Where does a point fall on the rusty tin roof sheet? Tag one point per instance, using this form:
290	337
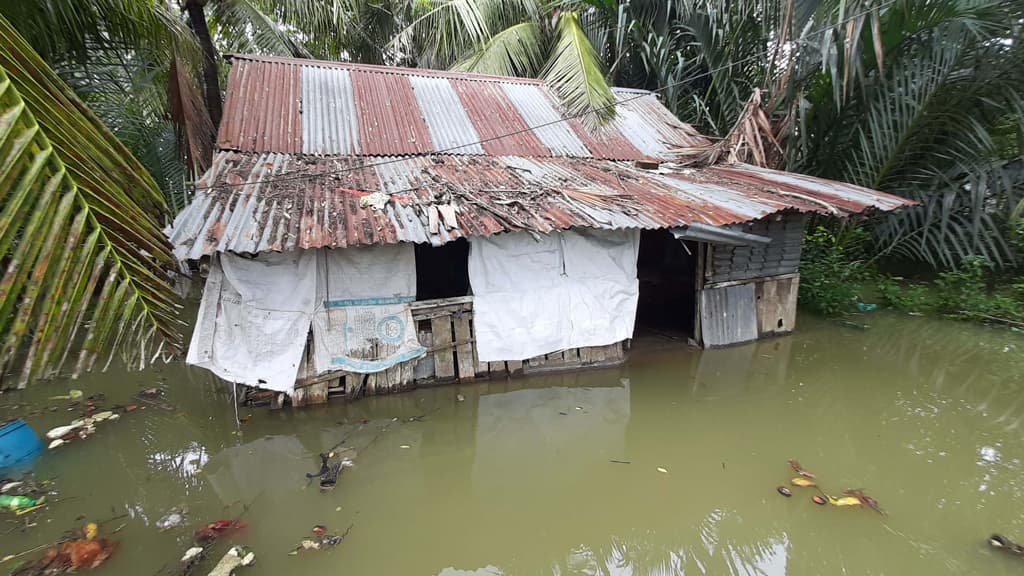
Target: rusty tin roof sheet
276	202
329	108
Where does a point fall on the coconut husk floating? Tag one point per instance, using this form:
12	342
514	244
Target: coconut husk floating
808	479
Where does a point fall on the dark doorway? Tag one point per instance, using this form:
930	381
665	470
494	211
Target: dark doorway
667	270
442	271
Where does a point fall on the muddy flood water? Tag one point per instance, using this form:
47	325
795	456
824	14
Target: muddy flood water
520	477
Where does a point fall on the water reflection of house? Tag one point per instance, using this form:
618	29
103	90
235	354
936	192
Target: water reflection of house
368	227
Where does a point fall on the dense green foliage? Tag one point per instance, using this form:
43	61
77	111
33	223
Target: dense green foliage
833	270
836	276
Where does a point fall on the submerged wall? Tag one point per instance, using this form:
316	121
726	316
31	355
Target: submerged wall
750	292
445	328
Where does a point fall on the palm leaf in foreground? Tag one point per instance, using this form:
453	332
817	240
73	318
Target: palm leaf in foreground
80	238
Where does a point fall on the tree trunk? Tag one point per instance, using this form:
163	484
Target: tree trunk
211	77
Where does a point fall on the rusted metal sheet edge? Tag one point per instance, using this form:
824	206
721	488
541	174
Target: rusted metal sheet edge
751	280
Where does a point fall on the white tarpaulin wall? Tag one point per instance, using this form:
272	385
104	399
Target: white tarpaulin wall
256	314
254	318
565	290
363	322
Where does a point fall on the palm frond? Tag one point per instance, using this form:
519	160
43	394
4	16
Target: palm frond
515	51
130	97
192	123
451	29
252	30
575	72
62	30
79	230
752	140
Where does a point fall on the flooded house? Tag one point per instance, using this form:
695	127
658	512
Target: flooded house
367	228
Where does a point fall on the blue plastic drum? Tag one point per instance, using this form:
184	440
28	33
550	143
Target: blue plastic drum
19	447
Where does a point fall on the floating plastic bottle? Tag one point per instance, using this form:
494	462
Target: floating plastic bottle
16	502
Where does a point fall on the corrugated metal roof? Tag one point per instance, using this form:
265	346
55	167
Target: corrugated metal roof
330	124
277	202
330	108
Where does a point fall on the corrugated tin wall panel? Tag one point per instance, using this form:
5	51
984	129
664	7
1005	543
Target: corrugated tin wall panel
450	126
780	256
539	113
330	124
728	315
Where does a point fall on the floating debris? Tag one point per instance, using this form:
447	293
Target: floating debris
1003	543
60	431
82	553
662	470
17	503
865	499
216	529
802	482
10	486
71	395
784	491
800	469
321	540
844	501
172	519
235	557
192	556
819	500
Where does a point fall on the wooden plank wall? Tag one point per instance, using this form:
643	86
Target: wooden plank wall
575	358
776	304
445	328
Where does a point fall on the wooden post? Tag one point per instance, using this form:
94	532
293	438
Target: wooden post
585	355
406	381
444	357
482	370
464	347
393	377
423	368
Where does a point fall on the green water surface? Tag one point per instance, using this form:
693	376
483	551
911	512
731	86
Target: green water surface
924	415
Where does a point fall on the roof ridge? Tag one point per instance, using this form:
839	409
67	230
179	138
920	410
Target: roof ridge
384	69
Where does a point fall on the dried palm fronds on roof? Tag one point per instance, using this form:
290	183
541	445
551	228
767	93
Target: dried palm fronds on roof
752	140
